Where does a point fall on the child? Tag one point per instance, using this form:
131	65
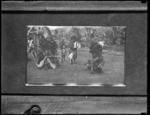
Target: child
63	53
71	57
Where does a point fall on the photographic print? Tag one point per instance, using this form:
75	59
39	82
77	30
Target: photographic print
75	54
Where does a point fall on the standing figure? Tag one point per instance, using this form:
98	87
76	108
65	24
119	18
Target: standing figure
73	51
63	50
63	54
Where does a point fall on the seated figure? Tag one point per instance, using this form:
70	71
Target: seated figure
46	55
97	62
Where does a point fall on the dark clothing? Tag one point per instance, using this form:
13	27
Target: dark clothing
47	45
63	52
48	48
96	51
40	57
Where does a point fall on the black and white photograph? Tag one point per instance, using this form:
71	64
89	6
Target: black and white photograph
74	57
75	54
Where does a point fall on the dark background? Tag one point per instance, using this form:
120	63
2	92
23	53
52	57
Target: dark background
14	50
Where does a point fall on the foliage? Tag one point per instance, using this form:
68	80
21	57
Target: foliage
114	35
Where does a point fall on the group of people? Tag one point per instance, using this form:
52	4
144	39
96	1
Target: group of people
44	52
69	51
43	49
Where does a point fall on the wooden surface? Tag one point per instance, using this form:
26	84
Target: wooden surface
74	6
14	55
14	51
70	104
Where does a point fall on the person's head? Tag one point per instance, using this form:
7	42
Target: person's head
73	38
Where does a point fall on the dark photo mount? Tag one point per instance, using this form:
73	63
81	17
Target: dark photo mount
16	17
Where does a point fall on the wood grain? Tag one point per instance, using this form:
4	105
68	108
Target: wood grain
73	6
14	51
71	104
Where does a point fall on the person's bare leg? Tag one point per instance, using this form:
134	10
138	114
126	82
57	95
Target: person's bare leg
51	64
41	63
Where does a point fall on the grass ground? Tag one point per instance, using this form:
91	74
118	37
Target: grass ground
76	73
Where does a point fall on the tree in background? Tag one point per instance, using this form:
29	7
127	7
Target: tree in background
88	34
75	34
